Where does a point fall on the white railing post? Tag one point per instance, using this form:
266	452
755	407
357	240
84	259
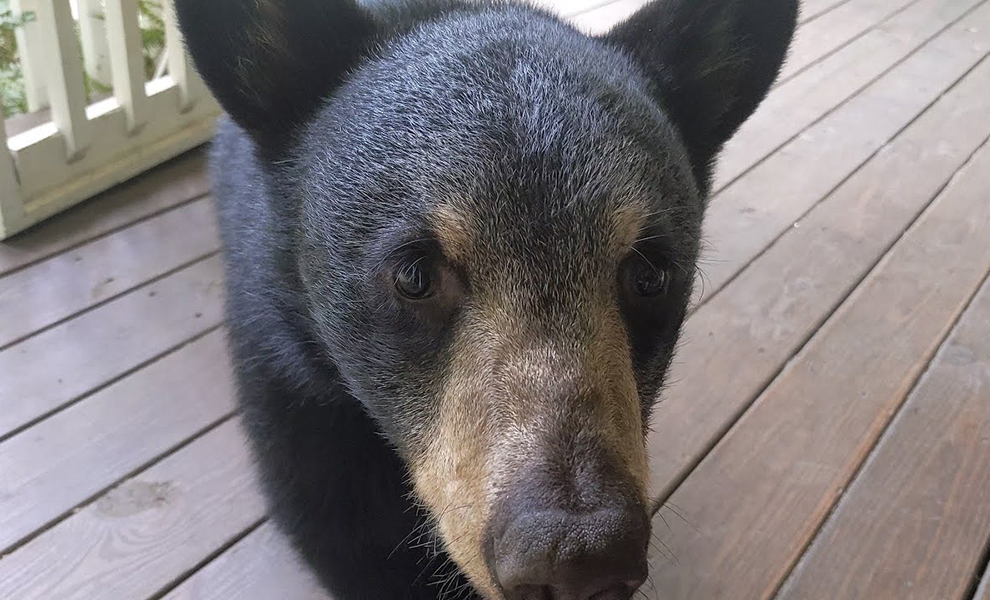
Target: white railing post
64	74
93	35
127	60
11	207
88	144
31	55
179	65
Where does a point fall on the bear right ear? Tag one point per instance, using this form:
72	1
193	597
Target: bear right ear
711	63
271	62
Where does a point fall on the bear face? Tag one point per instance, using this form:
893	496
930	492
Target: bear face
511	301
494	223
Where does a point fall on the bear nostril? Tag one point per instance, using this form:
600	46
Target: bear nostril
529	592
552	554
532	592
619	592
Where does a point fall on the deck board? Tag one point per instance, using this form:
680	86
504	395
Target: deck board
178	181
824	86
815	423
259	567
812	9
983	591
58	464
137	539
61	286
836	28
748	215
599	20
56	367
737	342
916	520
881	104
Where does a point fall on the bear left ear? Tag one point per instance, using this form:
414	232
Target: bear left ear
712	63
271	63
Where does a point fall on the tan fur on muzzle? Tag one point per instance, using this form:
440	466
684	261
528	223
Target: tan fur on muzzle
506	398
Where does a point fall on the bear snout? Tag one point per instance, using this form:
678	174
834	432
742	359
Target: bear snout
544	546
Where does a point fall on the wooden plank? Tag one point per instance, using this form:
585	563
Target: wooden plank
54	368
736	343
570	8
182	179
748	215
757	499
812	9
65	459
916	520
139	537
603	18
835	29
804	99
983	592
598	16
261	566
127	60
63	71
64	285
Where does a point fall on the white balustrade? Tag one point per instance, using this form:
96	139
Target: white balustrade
84	144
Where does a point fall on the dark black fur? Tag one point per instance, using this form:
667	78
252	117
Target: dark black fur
348	124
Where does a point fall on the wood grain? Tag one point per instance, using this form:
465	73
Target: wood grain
804	99
600	17
915	522
736	343
757	499
57	464
139	537
983	592
570	8
55	367
603	18
812	9
261	566
66	284
748	215
175	182
835	29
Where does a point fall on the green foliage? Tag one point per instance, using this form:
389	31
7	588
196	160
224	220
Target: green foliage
12	90
152	34
12	93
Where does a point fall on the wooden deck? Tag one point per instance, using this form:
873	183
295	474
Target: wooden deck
828	434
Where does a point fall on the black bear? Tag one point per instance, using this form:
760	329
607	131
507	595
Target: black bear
460	240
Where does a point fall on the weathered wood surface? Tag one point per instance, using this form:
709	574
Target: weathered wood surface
62	461
56	367
172	184
915	522
66	284
140	536
738	341
760	495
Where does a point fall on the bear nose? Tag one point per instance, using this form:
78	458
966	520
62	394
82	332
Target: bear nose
553	554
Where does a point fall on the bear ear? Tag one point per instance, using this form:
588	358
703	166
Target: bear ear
711	62
271	62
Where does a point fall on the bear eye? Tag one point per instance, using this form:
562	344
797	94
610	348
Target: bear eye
414	280
646	279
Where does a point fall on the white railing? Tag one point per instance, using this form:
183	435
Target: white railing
84	146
